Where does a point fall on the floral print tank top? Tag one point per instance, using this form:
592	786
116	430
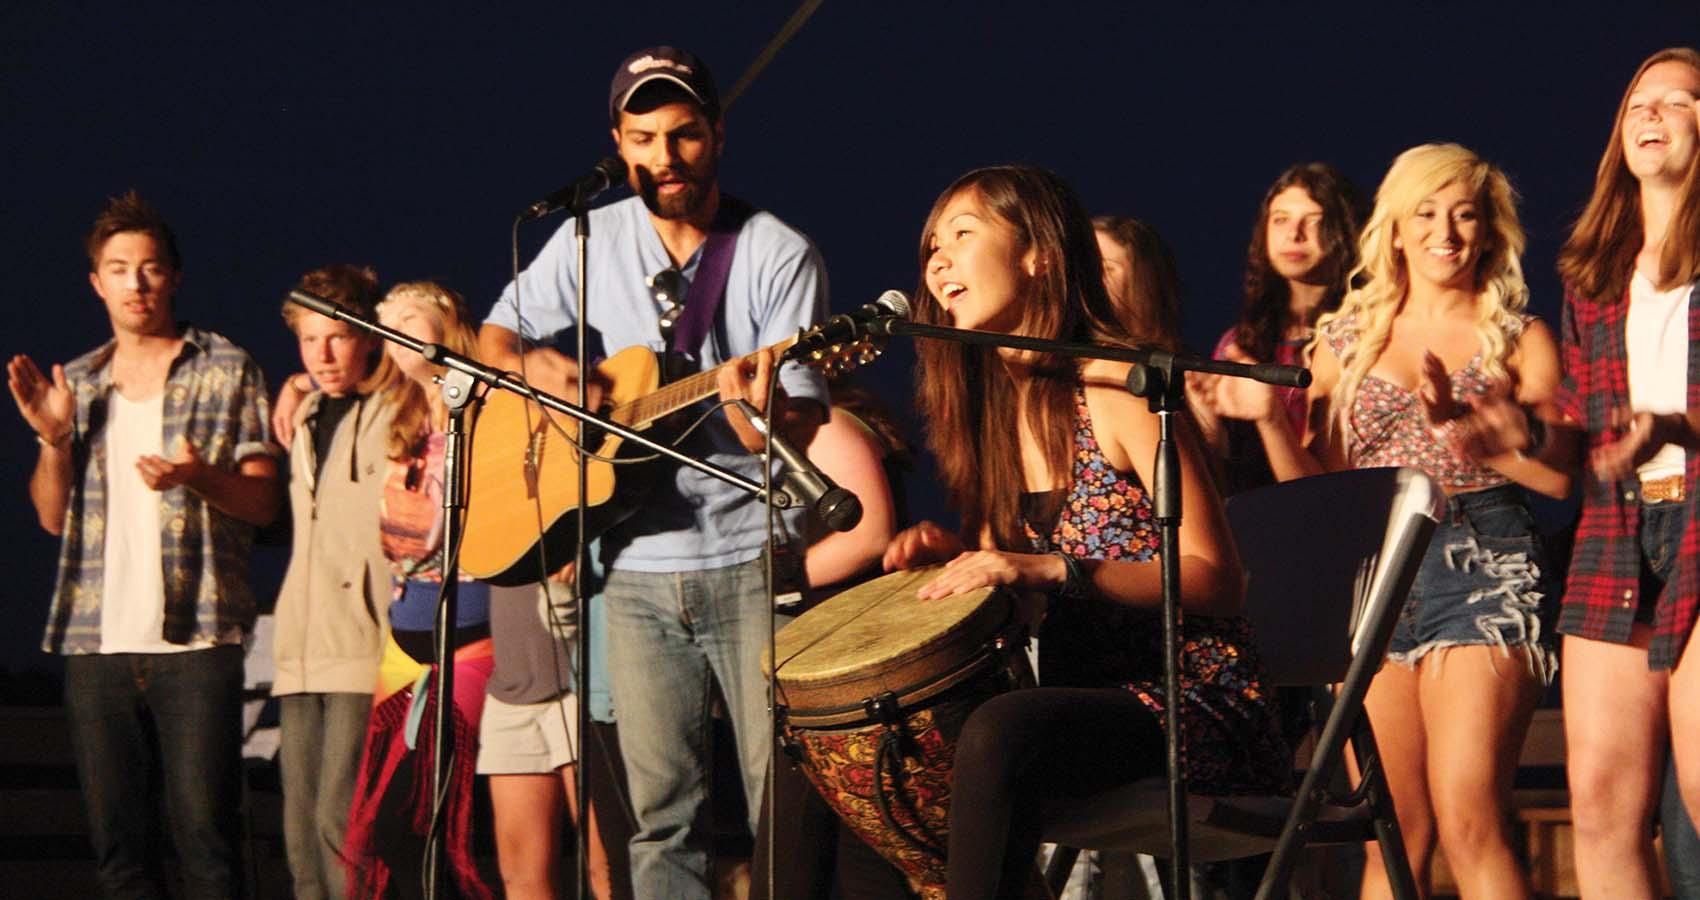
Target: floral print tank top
1388	425
1232	740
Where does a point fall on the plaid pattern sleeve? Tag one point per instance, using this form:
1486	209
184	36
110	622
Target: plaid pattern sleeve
1603	590
215	398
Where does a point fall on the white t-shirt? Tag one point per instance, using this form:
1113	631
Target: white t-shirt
132	601
1656	337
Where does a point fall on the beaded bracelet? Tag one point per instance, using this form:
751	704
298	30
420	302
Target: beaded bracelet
1074	576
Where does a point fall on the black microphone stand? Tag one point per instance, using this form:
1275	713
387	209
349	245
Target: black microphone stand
458	386
1158	376
581	559
457	396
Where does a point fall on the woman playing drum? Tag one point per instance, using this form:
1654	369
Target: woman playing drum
1047	461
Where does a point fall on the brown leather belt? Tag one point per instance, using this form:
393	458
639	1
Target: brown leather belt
1670	489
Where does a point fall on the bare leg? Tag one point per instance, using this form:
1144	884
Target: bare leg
1684	705
528	826
1396	716
1476	704
1614	730
601	878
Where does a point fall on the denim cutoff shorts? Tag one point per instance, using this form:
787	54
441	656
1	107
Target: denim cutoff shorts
1485	580
1662	525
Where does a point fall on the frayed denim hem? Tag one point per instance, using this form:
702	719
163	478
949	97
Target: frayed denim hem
1507	613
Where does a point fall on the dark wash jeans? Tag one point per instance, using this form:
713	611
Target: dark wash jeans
180	714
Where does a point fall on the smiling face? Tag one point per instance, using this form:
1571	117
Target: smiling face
333	353
1442	239
1658	133
673	155
1294	234
976	268
135	279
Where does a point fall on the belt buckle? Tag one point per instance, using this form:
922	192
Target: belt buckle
1670	489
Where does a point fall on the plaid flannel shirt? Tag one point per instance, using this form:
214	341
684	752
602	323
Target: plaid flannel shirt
1603	591
215	397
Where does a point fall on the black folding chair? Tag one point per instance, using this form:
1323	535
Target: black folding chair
1328	561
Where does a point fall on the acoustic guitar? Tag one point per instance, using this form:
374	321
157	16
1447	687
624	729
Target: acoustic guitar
514	472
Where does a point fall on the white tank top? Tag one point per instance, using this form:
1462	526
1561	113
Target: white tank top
132	600
1656	338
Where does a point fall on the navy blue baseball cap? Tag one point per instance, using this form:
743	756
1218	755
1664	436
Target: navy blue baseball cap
670	64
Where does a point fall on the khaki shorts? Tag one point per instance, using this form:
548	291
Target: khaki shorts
527	739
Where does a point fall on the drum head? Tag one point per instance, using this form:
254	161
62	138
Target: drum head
877	637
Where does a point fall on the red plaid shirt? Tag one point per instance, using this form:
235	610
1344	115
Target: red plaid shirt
1604	587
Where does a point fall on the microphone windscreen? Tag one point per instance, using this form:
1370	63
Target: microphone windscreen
840	509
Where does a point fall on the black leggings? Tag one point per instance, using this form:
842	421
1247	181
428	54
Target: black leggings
1021	748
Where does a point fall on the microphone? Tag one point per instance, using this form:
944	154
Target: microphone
868	320
835	506
317	304
607	172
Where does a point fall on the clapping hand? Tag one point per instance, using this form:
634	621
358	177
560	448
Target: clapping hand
47	404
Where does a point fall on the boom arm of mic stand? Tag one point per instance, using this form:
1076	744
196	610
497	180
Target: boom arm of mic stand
1286	376
496	378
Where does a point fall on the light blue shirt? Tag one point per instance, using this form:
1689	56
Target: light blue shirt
776	286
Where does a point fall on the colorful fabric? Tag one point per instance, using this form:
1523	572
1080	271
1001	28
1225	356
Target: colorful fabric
410	526
1388	425
914	780
392	797
1231	737
215	398
1604	585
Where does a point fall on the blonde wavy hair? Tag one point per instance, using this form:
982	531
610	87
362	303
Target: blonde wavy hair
417	409
1381	281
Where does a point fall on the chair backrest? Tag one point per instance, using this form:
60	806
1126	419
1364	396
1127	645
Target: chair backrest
1328	561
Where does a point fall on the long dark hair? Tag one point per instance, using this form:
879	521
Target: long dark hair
1598	259
966	395
1263	317
1150	295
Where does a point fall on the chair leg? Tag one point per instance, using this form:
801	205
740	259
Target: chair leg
1058	869
1387	835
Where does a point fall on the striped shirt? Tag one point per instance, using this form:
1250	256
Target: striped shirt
215	397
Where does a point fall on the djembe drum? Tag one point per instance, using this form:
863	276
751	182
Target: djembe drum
873	688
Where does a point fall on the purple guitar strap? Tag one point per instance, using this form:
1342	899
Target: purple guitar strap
708	288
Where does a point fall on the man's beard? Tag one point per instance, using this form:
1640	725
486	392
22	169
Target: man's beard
685	203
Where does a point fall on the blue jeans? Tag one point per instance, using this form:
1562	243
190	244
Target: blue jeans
180	713
671	638
322	736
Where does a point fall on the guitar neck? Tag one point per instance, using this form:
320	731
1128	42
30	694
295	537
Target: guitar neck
674	396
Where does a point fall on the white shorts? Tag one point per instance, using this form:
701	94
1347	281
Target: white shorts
527	739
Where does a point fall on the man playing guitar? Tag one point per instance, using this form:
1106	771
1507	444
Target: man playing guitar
686	596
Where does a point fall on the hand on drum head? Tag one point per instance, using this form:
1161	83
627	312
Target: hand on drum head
920	545
995	568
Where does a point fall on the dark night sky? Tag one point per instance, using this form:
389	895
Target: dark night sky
407	138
